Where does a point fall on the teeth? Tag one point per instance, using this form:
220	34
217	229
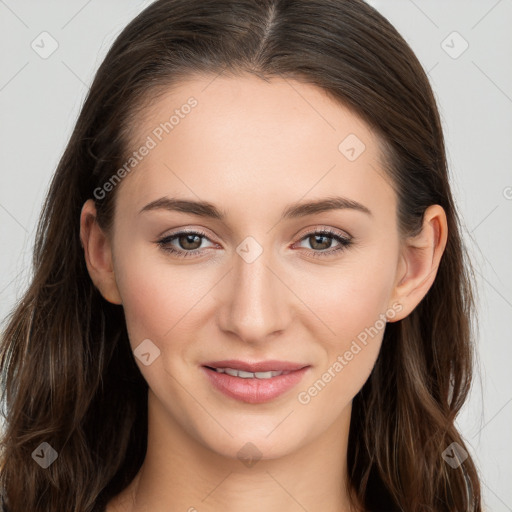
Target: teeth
266	375
250	375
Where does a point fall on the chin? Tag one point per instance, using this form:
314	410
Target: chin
251	447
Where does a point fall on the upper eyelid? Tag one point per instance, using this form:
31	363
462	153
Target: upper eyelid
175	234
327	230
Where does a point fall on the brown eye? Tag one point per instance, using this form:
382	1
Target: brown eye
183	244
189	241
321	242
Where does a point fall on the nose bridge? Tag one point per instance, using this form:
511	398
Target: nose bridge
256	305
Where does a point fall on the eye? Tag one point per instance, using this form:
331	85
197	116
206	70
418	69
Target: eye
189	243
321	242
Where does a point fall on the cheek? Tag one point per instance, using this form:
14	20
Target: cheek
349	355
353	306
155	299
353	296
160	304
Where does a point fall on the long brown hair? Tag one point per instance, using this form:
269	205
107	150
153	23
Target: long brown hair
68	373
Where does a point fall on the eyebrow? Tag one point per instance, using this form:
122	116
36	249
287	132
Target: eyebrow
295	210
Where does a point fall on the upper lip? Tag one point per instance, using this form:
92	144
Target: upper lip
257	366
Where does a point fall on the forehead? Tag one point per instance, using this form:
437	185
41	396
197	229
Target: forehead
236	139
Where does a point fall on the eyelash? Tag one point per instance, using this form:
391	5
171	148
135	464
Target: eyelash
344	243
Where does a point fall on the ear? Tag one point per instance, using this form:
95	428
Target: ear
98	254
419	261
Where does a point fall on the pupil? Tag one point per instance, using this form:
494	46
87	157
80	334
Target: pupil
189	240
316	239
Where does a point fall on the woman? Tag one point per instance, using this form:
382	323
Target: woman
250	289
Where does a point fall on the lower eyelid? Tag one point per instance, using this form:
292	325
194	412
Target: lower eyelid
341	239
165	243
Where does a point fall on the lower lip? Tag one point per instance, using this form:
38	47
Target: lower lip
254	391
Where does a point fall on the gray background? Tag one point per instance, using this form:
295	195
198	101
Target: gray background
40	99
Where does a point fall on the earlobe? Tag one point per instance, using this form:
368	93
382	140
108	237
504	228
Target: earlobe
98	254
419	261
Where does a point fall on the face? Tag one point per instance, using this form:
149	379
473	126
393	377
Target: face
254	277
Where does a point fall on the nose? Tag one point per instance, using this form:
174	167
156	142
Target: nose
256	302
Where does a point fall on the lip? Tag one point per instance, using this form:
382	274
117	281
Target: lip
255	391
257	366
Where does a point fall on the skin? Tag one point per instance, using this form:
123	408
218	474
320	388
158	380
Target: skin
252	148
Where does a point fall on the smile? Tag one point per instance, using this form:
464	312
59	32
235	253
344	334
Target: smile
250	375
254	387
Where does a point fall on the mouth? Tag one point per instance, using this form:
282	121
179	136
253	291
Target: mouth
256	382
